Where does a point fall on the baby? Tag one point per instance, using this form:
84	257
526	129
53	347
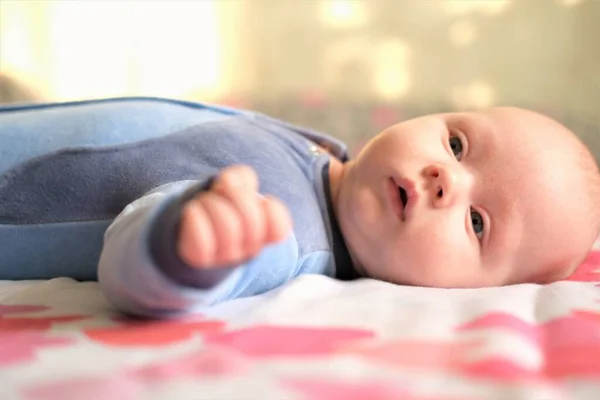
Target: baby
183	205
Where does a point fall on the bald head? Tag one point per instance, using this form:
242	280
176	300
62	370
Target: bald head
557	190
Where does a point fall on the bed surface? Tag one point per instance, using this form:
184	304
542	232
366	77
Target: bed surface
313	339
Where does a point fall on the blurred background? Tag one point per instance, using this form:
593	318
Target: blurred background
346	67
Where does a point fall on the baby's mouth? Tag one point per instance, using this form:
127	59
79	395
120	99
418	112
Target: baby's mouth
398	197
403	196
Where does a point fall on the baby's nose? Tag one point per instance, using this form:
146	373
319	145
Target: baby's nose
442	184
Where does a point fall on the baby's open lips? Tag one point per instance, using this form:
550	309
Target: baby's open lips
402	196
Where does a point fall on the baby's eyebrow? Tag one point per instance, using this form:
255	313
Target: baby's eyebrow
481	124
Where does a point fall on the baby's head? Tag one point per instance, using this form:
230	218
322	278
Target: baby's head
493	198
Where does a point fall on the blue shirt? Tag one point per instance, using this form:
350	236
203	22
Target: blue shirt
99	185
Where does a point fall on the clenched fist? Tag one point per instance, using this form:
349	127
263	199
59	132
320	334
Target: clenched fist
231	222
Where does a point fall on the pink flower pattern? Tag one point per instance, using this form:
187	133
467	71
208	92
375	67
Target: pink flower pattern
282	341
130	383
569	347
21	347
589	270
20	338
152	333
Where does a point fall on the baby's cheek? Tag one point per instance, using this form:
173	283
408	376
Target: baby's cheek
436	258
433	238
366	209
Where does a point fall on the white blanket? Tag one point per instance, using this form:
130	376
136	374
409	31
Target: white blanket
313	339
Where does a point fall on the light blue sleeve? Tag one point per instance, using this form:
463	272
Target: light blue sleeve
131	280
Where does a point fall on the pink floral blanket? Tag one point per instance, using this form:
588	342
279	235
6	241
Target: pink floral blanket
314	339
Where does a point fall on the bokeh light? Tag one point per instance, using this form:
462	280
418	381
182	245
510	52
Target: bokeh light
344	13
462	33
476	95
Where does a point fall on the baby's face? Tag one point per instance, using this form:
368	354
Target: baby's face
467	200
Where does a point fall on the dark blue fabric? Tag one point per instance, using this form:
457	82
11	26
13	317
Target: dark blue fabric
51	250
86	184
344	269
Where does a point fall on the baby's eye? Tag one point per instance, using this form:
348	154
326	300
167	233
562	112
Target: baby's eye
477	222
456	146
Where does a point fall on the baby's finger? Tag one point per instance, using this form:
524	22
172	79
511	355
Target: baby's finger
247	203
240	177
227	228
196	242
279	221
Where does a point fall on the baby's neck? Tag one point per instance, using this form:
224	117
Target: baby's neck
337	170
336	174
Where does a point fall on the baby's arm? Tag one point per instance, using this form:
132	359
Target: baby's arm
175	250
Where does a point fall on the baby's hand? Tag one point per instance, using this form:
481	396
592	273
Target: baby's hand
230	223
